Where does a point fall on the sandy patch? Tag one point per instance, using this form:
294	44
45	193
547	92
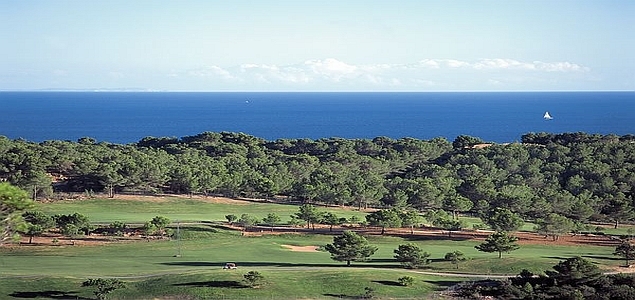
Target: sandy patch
524	238
165	198
223	200
619	269
301	248
51	239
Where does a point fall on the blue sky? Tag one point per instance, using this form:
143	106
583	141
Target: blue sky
523	45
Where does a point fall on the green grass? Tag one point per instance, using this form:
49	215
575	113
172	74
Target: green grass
206	248
152	270
622	230
43	288
287	284
470	221
106	210
289	275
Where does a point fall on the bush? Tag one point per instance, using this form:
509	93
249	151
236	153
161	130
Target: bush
369	293
104	286
406	281
479	226
231	219
117	228
455	257
160	222
411	256
148	229
253	278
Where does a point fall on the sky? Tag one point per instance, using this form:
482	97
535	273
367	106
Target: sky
306	45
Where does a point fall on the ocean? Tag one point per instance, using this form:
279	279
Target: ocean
127	117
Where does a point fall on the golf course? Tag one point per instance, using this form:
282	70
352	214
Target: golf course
188	263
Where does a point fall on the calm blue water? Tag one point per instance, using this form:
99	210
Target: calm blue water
128	117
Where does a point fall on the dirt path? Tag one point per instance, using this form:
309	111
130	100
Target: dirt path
525	238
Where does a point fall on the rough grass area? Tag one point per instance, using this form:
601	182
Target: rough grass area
208	248
153	270
141	209
278	284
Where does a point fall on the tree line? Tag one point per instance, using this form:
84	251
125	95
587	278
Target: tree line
577	176
572	278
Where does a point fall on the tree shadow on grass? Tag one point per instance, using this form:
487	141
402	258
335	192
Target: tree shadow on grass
607	243
440	237
556	257
241	265
383	260
442	283
613	258
218	284
47	295
387	282
197	229
342	296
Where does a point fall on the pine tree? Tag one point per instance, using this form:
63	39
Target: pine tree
411	256
499	242
350	246
625	250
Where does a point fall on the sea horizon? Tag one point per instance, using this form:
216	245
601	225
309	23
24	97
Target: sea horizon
127	117
144	90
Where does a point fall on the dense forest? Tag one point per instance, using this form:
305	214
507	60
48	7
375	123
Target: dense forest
578	176
573	278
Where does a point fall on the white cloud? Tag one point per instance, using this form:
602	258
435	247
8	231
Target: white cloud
333	69
510	64
334	74
429	63
330	66
272	73
560	67
456	63
212	71
498	64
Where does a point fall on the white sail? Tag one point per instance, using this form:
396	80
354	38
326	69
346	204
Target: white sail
547	116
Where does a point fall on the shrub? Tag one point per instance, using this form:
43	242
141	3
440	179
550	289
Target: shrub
117	228
406	281
479	226
231	219
253	278
411	256
369	293
104	286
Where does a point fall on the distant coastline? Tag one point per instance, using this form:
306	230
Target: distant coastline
127	117
147	90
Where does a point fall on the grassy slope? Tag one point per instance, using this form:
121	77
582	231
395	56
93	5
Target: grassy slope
229	285
210	250
182	209
205	249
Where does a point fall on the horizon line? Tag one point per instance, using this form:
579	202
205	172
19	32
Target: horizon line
133	90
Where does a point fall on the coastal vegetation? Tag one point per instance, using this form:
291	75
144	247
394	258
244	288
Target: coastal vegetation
157	214
581	177
572	278
290	260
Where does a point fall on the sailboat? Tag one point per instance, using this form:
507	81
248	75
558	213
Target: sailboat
547	116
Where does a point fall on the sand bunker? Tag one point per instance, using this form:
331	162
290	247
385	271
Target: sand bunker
164	198
301	248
